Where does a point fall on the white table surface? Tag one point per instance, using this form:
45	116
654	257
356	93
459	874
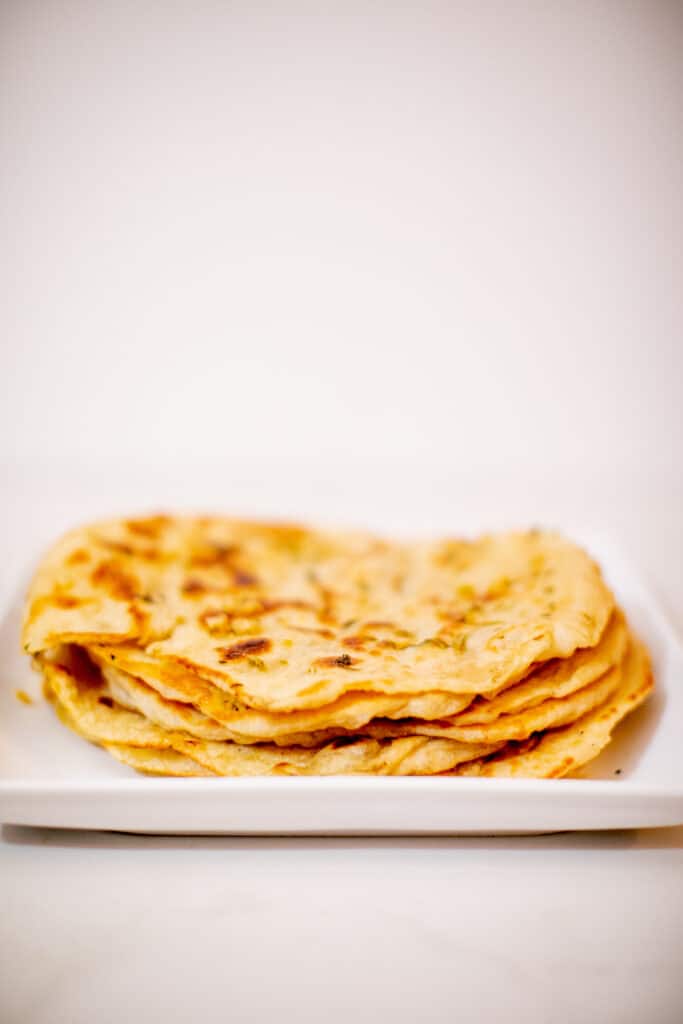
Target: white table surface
571	927
557	929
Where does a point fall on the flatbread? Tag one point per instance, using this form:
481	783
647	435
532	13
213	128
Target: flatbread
131	694
518	726
168	704
205	646
84	705
284	618
350	711
541	695
413	755
554	679
561	751
156	762
128	692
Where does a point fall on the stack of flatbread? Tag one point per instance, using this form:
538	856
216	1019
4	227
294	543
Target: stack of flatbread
208	646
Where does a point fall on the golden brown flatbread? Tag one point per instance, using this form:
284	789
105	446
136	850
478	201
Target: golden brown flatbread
352	712
558	752
286	618
555	679
156	762
208	646
84	705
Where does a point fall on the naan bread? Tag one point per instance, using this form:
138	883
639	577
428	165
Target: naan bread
84	705
178	685
284	618
553	679
212	717
558	752
206	646
156	762
518	726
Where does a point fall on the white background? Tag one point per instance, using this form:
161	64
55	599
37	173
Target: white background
444	230
416	266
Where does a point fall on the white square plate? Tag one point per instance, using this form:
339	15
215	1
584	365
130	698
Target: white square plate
50	777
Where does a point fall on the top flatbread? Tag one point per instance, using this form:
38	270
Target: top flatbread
283	618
